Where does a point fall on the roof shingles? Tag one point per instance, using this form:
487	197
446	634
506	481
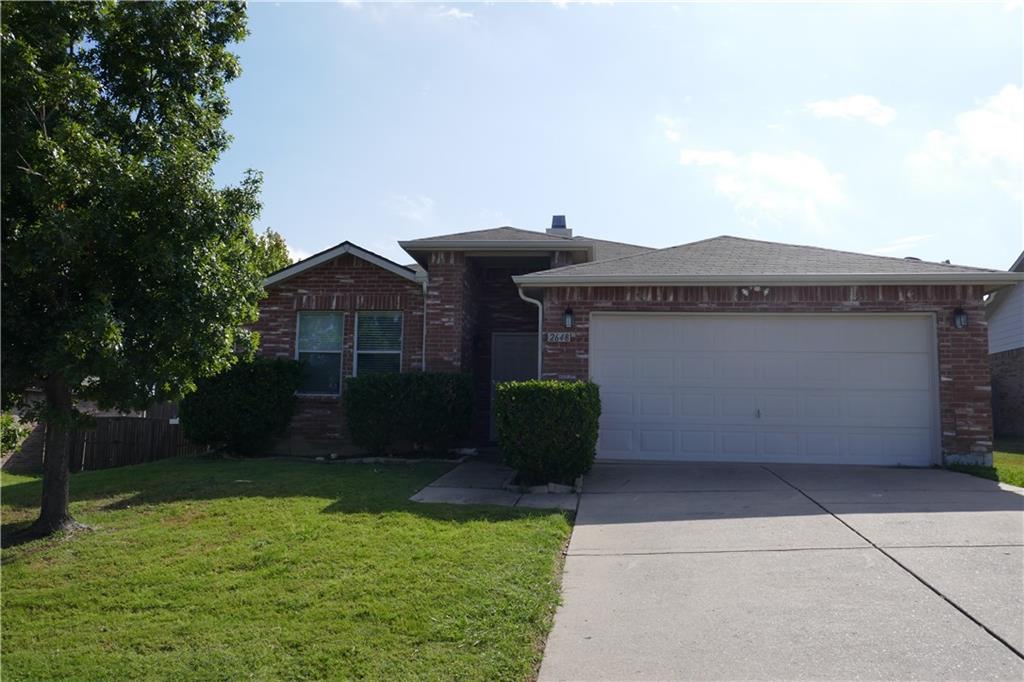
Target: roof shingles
603	248
729	256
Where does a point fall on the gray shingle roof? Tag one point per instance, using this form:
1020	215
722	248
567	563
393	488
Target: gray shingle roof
494	234
603	248
727	256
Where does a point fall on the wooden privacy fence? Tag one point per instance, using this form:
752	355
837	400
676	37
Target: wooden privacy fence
120	441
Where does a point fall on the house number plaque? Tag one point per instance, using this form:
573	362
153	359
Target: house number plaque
559	337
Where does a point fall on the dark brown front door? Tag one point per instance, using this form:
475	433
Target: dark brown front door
513	358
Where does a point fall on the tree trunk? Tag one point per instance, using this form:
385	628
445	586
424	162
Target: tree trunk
53	512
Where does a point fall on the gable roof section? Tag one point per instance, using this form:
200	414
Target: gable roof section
506	233
340	250
734	260
517	239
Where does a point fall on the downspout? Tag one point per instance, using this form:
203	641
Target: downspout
540	329
423	348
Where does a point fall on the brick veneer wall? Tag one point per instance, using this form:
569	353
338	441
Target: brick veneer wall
445	310
964	388
347	284
1008	392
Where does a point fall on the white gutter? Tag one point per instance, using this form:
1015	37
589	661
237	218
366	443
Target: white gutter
987	278
540	329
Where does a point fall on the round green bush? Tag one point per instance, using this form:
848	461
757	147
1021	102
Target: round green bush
242	408
548	429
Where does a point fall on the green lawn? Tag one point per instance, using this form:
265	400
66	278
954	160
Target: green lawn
1008	464
215	569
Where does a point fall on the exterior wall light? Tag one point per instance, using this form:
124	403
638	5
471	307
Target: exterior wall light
567	318
959	318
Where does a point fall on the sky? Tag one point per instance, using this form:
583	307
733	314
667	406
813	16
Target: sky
879	128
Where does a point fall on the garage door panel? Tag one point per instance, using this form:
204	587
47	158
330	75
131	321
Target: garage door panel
780	370
617	442
615	335
837	391
779	406
656	405
695	368
698	442
822	446
609	368
738	443
616	403
780	443
821	369
658	334
737	404
822	407
696	339
738	370
655	369
695	405
656	441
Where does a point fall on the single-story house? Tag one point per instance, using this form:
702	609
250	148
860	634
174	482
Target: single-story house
1005	313
723	349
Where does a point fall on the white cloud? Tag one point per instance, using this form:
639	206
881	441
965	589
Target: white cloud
297	254
454	13
902	244
417	209
670	127
985	143
790	187
562	4
862	107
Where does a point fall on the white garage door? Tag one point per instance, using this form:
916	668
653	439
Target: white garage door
839	389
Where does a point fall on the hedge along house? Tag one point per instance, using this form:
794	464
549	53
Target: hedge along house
724	349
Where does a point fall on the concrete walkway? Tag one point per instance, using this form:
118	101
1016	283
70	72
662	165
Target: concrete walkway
485	482
730	571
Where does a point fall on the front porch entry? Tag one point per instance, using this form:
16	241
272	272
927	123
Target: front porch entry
513	358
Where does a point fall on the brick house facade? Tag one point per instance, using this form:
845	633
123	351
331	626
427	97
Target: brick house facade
346	284
467	289
964	389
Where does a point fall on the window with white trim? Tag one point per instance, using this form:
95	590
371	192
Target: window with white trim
318	348
378	343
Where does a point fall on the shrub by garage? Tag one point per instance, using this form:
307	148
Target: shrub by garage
244	407
424	412
548	429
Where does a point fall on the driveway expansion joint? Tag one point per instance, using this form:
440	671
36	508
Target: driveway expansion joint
896	561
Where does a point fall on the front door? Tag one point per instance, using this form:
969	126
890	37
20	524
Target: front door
513	358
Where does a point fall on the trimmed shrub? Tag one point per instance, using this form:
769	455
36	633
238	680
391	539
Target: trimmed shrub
429	411
548	429
242	408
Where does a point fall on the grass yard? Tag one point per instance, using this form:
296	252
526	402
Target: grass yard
265	569
1007	461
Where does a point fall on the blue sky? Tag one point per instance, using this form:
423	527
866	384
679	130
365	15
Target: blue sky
892	129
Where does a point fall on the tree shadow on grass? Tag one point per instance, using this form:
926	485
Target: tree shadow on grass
345	489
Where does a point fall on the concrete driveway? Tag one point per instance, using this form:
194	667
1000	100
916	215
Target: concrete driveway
743	571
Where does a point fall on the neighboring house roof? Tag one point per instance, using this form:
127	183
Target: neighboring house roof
999	297
340	250
1018	265
734	260
516	239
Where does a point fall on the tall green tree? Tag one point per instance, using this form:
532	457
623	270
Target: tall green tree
126	273
274	252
